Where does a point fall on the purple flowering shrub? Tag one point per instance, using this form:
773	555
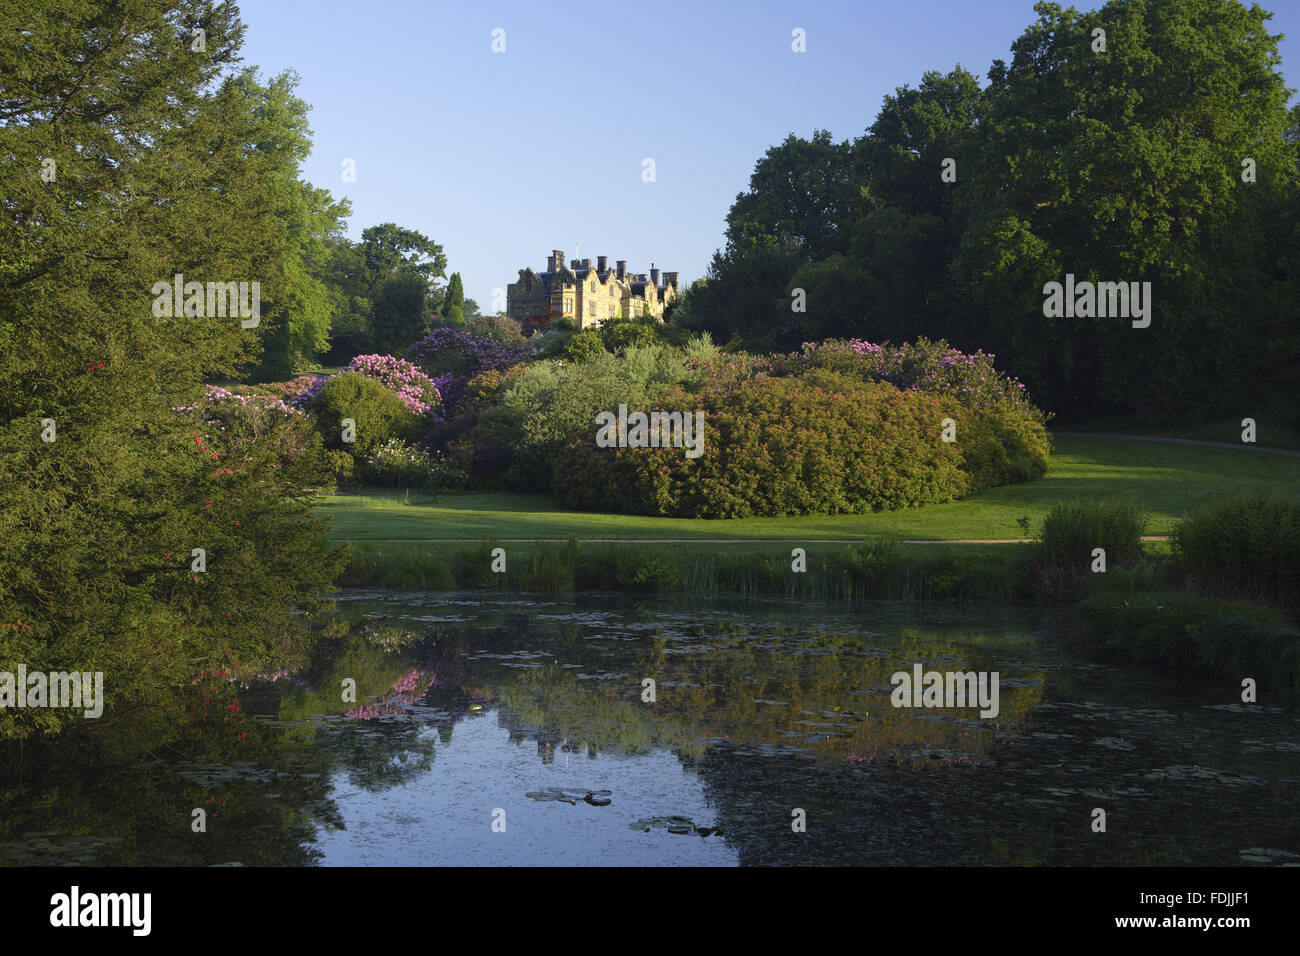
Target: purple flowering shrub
925	365
453	357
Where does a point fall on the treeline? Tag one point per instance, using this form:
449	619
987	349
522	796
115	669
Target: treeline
1162	151
384	295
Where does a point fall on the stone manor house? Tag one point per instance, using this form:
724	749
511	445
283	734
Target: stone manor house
588	295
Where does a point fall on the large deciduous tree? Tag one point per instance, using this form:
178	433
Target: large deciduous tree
1124	166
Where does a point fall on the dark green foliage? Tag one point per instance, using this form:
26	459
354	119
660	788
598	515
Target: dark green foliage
380	289
1228	639
584	346
388	248
453	305
877	571
1115	166
397	317
618	334
1247	544
97	527
1072	530
378	412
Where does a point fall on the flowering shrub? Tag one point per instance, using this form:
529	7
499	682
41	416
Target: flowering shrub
378	412
290	389
925	365
822	443
416	390
455	357
241	418
400	464
217	401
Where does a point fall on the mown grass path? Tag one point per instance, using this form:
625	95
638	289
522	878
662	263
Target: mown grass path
1167	478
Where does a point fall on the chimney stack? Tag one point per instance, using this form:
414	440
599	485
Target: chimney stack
654	276
558	256
670	279
621	268
550	263
600	263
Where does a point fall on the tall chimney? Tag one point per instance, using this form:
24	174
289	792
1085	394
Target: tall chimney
620	268
558	255
654	276
670	278
550	262
600	263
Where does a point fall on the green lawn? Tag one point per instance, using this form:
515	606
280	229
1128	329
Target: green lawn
1168	480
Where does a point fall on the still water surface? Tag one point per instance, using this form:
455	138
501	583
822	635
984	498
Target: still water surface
503	730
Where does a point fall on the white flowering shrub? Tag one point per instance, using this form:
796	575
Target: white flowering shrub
397	463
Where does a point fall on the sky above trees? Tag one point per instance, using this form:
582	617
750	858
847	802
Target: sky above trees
501	157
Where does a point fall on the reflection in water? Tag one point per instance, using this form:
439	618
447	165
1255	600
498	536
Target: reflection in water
495	730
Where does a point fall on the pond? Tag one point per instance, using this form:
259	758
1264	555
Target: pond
498	729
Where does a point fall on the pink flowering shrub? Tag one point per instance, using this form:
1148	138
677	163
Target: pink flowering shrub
241	418
216	400
417	391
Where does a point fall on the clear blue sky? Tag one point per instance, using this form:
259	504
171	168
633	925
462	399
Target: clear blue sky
501	157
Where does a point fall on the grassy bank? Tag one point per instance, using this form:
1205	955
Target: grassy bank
880	570
1210	601
1168	481
1225	601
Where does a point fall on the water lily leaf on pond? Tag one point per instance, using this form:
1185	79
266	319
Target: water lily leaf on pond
572	795
674	824
1114	743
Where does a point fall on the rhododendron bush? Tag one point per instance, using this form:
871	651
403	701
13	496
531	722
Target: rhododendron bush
454	357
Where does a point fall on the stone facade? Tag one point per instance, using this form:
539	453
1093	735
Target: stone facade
588	295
